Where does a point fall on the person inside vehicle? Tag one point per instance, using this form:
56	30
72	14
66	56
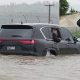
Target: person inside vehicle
55	35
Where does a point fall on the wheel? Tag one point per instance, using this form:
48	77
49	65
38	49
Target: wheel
53	52
46	53
49	53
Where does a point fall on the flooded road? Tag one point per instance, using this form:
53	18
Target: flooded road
62	67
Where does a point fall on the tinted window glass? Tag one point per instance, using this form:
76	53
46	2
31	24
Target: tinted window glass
45	31
19	33
65	34
48	32
37	34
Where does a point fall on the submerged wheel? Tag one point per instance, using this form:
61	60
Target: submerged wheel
46	53
49	53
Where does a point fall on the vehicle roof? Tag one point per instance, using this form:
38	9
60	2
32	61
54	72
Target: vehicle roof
35	24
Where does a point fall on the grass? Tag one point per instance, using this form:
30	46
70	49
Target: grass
76	34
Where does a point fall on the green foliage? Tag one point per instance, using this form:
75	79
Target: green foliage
76	34
63	7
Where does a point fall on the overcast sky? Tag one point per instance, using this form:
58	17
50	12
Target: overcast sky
74	4
4	2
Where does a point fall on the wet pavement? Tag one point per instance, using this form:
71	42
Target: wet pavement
62	67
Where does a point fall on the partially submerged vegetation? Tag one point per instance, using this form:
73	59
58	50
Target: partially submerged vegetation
76	33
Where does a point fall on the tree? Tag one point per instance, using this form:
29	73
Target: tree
64	5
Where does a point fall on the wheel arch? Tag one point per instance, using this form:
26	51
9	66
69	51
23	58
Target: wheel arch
52	51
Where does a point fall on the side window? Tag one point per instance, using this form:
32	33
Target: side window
48	32
45	31
56	32
65	34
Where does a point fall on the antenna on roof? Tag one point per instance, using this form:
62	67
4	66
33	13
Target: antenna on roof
21	22
11	20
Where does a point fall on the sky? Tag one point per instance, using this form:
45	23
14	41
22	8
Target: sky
75	4
5	2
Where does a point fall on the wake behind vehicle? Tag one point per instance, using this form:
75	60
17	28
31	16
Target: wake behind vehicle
37	39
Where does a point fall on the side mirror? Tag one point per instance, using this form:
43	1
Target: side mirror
78	22
75	39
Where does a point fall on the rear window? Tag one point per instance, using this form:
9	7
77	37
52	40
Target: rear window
16	27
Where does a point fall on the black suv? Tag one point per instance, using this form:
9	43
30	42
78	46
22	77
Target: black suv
37	39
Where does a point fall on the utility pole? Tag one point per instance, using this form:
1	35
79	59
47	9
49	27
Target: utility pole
49	16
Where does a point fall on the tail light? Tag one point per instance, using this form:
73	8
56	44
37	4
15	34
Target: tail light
20	41
27	41
1	40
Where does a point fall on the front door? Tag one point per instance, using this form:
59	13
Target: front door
72	48
67	36
61	46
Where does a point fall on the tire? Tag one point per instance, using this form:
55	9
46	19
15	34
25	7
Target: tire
53	52
46	53
49	53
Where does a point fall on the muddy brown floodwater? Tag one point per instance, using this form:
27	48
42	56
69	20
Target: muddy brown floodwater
62	67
